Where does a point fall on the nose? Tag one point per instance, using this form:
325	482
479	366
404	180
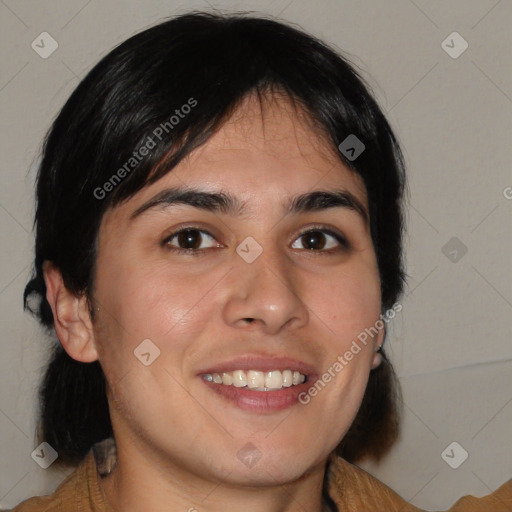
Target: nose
265	295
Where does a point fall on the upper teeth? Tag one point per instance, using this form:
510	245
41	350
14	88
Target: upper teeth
259	381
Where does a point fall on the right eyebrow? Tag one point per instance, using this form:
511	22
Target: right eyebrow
226	203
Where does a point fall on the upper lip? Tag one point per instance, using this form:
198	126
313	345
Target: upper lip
262	363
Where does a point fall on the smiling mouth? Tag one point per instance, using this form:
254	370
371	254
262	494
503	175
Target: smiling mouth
256	380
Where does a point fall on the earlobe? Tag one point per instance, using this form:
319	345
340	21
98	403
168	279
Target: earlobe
377	347
71	317
376	361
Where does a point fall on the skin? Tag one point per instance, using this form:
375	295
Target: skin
177	441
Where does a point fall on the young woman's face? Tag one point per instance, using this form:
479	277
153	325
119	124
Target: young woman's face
309	295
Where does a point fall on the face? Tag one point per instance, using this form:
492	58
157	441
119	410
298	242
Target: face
254	292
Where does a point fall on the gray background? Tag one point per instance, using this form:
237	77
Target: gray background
451	344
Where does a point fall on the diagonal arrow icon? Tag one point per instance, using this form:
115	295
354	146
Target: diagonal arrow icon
454	45
44	455
454	249
44	45
249	249
146	352
351	147
454	455
249	455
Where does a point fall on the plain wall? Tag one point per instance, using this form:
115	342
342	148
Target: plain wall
451	344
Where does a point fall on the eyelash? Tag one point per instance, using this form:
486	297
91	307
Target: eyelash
344	245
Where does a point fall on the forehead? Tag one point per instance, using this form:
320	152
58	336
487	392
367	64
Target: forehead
267	150
272	124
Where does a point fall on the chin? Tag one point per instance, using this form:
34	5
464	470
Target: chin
264	475
270	465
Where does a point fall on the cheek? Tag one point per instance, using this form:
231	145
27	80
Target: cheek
139	307
349	302
144	298
352	305
153	302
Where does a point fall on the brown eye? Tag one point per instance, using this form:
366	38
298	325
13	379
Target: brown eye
188	241
321	240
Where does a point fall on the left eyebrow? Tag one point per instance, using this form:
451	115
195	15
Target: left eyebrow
226	203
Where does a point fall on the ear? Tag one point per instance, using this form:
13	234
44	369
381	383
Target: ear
377	342
70	316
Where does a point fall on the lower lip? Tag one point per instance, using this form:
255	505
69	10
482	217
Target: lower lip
260	401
